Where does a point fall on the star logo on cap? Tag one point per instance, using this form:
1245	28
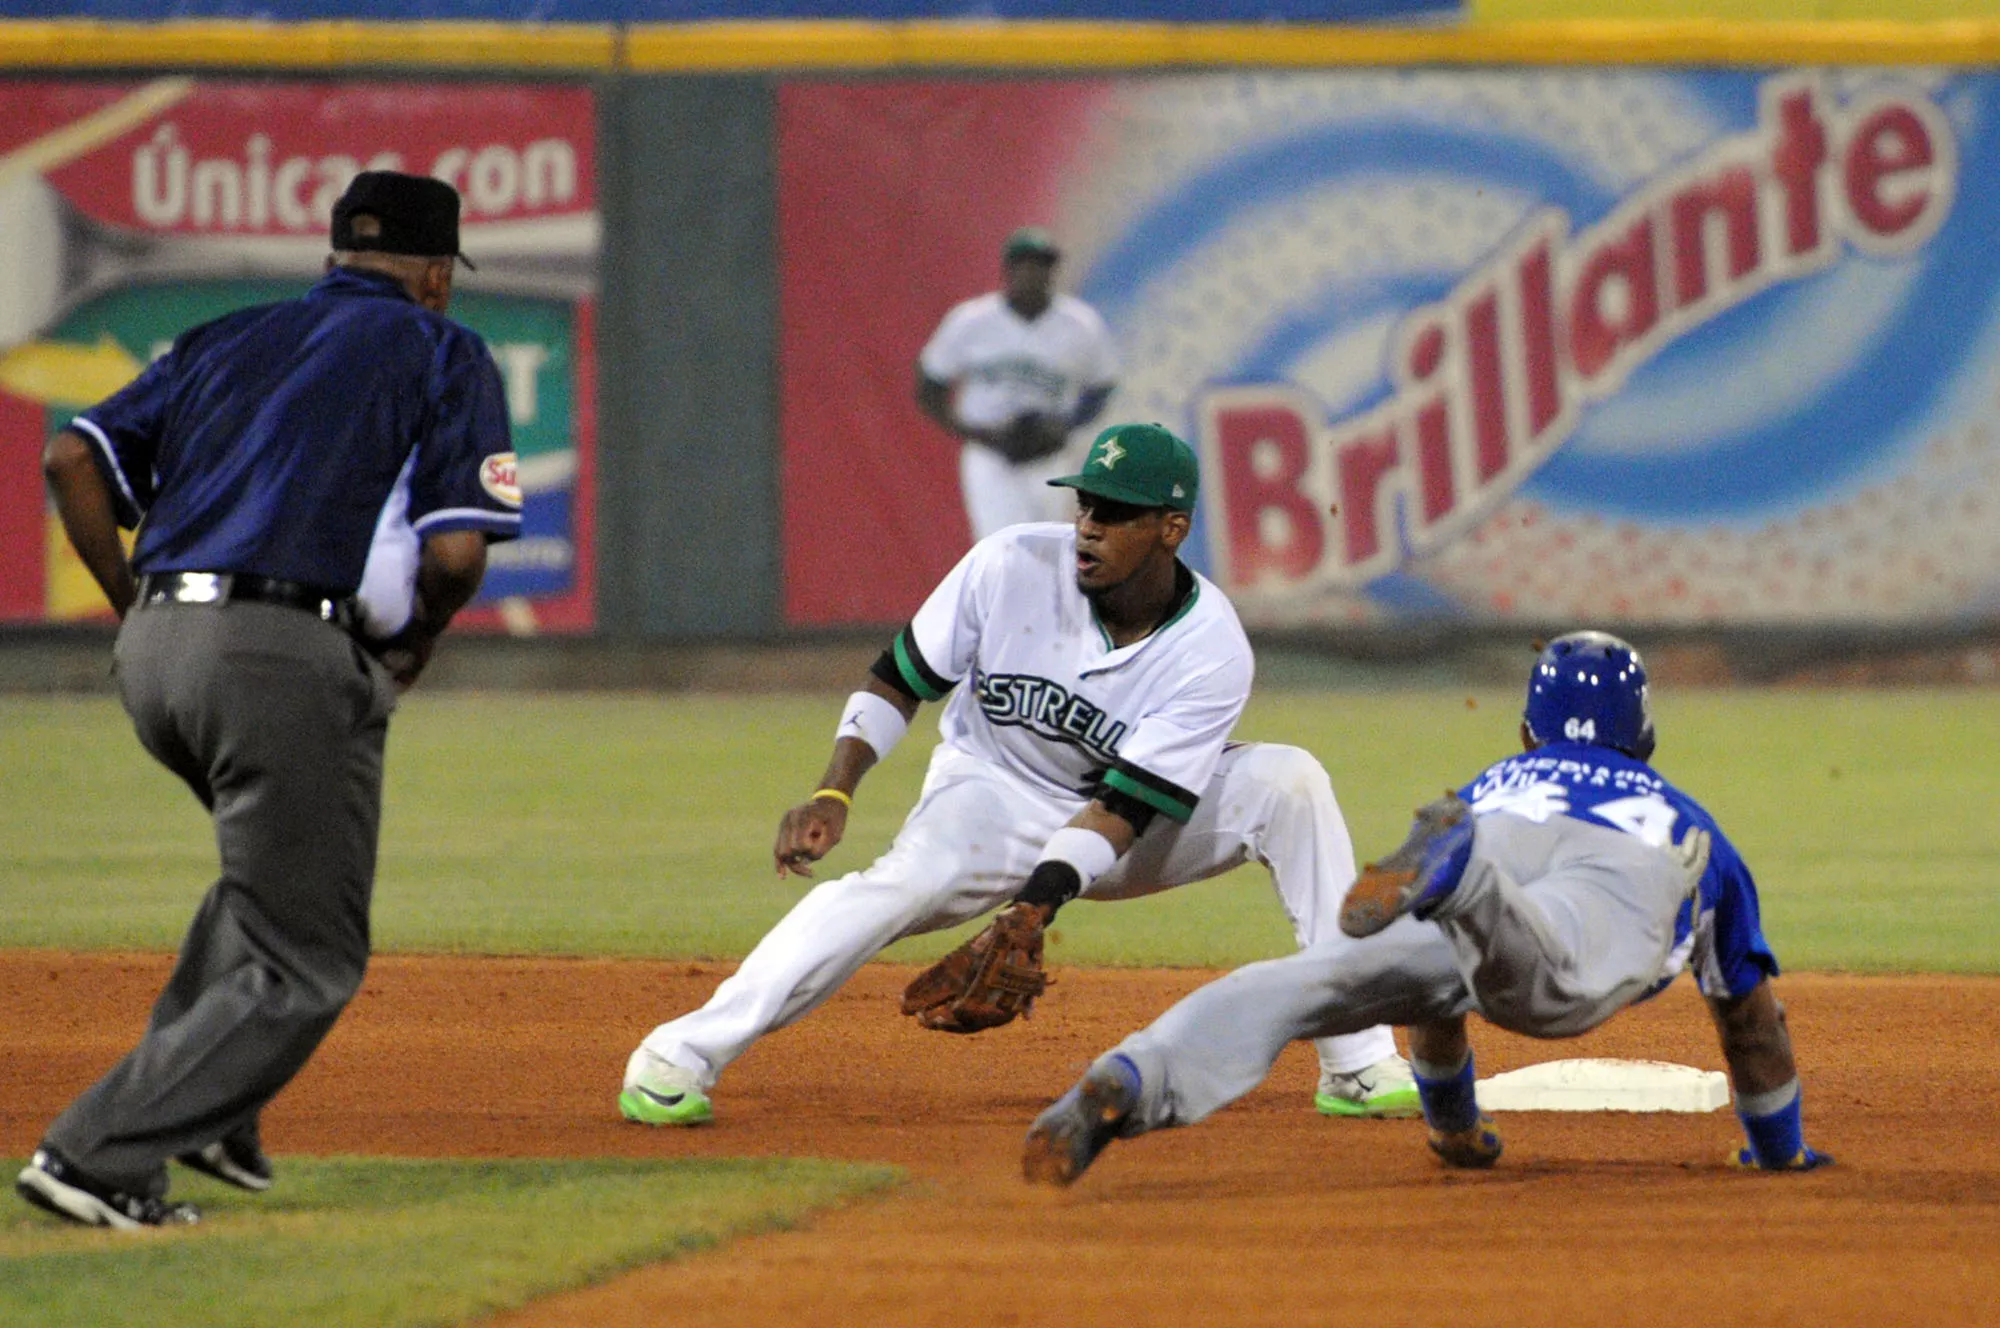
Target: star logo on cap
1110	454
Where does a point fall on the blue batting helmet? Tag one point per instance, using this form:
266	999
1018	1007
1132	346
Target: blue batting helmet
1590	687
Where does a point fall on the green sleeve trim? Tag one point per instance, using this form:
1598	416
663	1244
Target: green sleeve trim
922	679
1166	804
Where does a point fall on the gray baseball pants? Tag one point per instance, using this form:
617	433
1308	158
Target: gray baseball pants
1554	928
277	721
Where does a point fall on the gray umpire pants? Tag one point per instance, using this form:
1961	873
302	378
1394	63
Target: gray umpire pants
1555	927
277	721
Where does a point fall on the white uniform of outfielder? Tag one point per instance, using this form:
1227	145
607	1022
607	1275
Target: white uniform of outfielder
1045	713
1006	366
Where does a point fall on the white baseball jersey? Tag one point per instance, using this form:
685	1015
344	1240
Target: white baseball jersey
1006	365
1048	698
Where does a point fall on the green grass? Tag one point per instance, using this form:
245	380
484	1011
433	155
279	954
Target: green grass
641	825
375	1243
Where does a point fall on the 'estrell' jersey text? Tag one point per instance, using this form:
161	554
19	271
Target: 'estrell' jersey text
1047	708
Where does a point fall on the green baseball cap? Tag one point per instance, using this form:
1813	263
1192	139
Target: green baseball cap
1141	464
1030	242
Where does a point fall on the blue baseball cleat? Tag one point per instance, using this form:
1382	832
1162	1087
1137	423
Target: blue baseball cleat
1067	1137
1476	1148
1807	1159
1418	876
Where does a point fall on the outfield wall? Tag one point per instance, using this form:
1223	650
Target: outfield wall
1467	340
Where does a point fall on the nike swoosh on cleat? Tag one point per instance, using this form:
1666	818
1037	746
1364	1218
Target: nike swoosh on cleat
660	1098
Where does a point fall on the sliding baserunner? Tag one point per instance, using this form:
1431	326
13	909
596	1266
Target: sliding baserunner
1551	892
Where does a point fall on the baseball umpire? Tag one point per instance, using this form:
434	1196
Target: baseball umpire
1013	373
282	459
1086	753
1554	890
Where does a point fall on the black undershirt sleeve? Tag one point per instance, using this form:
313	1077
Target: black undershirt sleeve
884	669
1124	805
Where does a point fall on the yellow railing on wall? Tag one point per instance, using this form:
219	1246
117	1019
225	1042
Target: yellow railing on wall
729	46
239	44
1788	11
716	46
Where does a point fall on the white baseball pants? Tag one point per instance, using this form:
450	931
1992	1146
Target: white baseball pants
999	494
969	844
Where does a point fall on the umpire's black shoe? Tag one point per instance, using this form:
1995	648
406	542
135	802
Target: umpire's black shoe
234	1161
51	1181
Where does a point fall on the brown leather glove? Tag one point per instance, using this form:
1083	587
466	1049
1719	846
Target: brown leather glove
986	982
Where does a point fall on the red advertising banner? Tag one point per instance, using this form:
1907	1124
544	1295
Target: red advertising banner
1505	346
886	219
131	211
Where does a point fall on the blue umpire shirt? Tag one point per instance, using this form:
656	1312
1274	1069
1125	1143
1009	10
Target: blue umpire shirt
288	440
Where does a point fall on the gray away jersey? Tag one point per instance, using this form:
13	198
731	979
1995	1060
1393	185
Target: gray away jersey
1047	697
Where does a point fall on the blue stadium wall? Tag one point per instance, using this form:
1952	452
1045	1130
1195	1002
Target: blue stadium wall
686	11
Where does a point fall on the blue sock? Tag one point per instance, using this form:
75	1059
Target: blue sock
1775	1134
1449	1103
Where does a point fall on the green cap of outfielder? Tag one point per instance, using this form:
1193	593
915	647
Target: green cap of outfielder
1140	464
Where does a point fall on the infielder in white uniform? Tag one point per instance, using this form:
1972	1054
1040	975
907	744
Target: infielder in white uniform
1013	373
1086	754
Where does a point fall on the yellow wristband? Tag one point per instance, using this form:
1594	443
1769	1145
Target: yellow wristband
845	799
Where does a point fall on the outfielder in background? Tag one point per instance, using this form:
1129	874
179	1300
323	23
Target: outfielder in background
1548	894
1013	373
1086	755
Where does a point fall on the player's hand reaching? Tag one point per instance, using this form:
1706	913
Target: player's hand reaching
1691	854
808	833
406	654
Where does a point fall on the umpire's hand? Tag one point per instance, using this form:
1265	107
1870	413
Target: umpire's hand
405	654
808	833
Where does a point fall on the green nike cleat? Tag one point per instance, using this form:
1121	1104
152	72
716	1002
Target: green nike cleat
1382	1091
690	1107
658	1092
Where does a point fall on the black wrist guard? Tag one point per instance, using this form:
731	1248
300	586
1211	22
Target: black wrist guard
1051	885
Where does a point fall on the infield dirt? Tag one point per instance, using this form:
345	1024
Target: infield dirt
1266	1214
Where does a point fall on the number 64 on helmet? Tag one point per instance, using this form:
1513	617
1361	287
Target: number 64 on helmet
1590	687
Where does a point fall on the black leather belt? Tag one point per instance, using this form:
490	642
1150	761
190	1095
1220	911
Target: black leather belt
230	587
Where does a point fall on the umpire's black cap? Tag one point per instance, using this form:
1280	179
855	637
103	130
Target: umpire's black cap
413	214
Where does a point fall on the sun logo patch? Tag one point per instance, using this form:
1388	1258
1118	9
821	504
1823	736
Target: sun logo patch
500	476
